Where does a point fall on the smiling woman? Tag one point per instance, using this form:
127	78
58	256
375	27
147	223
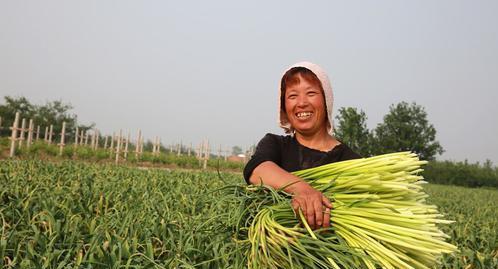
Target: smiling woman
305	114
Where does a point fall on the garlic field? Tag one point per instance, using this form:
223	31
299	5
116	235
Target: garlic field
80	215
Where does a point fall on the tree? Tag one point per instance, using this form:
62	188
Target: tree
54	113
236	150
352	130
9	109
406	128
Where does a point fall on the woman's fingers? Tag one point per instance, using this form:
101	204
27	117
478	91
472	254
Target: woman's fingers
299	203
304	205
315	208
326	202
322	213
318	210
310	215
326	218
326	214
308	211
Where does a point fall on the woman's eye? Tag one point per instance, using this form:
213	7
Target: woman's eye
292	96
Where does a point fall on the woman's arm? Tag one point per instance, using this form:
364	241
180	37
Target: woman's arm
315	206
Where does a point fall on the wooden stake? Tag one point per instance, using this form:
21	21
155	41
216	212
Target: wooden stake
63	134
157	145
118	146
76	134
50	134
154	146
13	136
137	145
206	155
86	137
198	153
30	133
46	134
92	140
126	146
81	137
179	149
38	133
96	145
203	148
141	145
21	136
105	142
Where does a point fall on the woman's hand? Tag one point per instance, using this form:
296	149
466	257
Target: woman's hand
314	205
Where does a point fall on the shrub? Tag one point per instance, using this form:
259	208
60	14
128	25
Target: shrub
85	153
461	173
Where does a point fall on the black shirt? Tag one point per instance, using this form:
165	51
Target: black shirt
286	152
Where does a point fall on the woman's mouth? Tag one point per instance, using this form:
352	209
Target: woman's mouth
304	115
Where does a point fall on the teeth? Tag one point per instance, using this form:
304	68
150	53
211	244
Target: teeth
303	114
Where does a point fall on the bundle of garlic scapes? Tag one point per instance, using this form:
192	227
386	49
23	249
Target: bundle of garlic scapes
380	219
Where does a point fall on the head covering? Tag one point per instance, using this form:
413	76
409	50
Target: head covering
327	90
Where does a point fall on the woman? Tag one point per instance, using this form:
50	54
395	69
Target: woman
306	116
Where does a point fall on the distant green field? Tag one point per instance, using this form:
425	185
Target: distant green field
81	215
476	229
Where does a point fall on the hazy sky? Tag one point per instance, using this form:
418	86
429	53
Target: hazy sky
188	70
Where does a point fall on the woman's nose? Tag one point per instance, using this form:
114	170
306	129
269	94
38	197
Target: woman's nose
302	101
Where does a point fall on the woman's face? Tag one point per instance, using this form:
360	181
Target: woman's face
305	107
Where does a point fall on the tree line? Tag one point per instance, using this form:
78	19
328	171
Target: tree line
51	113
404	128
